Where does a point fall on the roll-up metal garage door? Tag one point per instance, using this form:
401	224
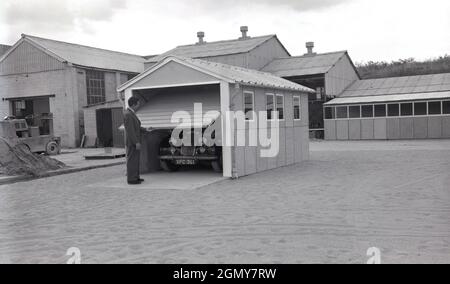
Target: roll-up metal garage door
159	108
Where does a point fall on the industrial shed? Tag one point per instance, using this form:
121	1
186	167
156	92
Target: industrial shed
102	124
176	84
413	107
245	51
51	82
329	74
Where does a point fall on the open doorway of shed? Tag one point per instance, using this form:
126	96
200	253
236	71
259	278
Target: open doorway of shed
36	112
109	120
315	103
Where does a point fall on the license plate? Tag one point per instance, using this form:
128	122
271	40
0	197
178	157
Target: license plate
186	162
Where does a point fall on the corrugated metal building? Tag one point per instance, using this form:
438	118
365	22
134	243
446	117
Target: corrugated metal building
176	84
53	79
412	107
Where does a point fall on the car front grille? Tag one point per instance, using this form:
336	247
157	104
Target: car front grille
187	151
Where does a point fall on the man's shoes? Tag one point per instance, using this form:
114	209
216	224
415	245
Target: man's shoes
134	182
141	180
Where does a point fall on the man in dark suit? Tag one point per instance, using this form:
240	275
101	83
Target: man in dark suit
133	141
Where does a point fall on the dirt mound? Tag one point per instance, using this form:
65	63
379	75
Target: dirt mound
19	160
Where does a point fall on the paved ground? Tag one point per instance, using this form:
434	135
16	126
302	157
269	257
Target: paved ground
391	195
75	157
182	180
75	161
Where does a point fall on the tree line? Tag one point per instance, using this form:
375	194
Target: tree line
403	67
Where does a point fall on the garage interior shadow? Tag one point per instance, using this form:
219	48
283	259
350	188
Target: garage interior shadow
150	162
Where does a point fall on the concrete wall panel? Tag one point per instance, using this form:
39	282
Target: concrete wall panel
342	130
239	157
446	127
282	152
330	130
367	129
290	146
250	160
305	143
380	128
435	127
420	127
354	127
406	128
393	128
272	162
298	144
261	162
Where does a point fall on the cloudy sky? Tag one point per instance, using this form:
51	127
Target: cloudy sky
370	30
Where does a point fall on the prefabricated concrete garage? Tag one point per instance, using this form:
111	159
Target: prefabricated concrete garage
180	84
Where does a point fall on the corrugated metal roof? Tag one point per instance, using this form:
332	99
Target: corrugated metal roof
399	85
390	98
3	49
304	65
211	49
90	56
229	73
247	76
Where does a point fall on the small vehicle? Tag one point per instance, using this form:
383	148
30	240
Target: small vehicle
30	136
173	157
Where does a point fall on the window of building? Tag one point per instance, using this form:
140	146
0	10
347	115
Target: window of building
297	114
446	107
330	113
270	105
393	110
95	82
406	109
280	106
420	108
434	108
380	110
342	112
320	93
18	108
367	111
249	105
354	111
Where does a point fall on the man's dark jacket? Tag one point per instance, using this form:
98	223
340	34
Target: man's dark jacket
132	128
133	137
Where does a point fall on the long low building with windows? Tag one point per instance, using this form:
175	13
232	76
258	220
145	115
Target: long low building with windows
413	107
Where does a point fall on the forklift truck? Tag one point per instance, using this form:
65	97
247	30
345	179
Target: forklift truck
31	137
